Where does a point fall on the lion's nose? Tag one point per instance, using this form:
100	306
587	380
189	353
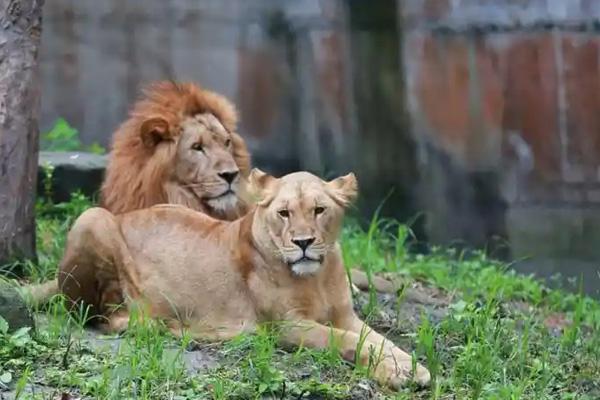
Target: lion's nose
303	243
229	176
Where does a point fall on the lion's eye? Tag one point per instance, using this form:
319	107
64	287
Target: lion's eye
197	147
319	210
227	142
283	213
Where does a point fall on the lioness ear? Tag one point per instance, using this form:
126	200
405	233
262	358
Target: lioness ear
344	189
154	130
259	183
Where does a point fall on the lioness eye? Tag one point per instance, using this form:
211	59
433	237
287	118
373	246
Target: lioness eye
319	210
197	147
227	142
284	213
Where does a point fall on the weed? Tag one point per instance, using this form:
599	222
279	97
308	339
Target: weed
426	344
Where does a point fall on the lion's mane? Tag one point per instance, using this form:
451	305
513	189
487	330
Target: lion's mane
136	173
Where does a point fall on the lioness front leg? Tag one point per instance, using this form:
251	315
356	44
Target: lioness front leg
402	359
391	366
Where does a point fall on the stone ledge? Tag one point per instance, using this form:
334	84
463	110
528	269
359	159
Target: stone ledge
13	308
72	171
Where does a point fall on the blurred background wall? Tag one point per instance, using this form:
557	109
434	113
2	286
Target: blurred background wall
483	115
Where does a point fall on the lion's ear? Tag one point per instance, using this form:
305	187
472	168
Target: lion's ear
154	130
259	185
344	189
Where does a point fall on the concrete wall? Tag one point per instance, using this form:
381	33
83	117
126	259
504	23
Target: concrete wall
314	88
482	114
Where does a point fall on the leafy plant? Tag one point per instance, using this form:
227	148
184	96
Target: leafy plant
12	345
63	137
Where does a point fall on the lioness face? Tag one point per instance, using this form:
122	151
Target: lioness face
205	163
300	216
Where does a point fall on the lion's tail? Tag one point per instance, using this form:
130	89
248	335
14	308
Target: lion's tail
40	293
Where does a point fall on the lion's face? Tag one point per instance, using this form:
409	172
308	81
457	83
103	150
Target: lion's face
179	146
299	216
205	163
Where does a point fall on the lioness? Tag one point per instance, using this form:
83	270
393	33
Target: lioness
281	262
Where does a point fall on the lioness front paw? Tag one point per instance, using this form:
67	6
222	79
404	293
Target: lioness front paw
422	376
397	376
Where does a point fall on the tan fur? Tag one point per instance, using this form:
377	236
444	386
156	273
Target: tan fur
281	262
145	162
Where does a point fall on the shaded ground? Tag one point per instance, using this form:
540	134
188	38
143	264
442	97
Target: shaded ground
310	375
390	316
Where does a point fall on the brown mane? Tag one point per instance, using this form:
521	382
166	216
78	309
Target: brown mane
136	173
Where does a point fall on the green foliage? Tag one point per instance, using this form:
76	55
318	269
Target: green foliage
13	346
426	335
95	148
64	137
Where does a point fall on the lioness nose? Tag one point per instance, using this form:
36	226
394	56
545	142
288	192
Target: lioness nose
303	243
229	176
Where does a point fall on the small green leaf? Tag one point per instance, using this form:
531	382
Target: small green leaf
96	148
3	326
459	306
21	337
262	388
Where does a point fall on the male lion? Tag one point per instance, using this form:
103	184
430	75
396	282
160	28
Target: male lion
178	146
279	263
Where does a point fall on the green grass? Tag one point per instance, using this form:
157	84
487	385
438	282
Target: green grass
488	338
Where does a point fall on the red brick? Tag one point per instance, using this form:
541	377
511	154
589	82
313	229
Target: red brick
442	89
531	100
515	90
259	90
329	54
418	11
463	125
582	90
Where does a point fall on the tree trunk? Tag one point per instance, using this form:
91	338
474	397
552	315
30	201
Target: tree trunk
20	30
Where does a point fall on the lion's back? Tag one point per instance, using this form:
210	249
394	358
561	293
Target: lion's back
170	224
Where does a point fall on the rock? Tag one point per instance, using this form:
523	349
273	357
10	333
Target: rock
196	359
13	308
199	360
72	171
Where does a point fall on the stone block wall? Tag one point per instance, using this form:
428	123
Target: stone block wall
504	99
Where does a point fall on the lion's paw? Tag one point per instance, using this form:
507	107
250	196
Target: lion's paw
399	376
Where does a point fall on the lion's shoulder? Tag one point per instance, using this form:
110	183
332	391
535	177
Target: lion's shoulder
181	213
